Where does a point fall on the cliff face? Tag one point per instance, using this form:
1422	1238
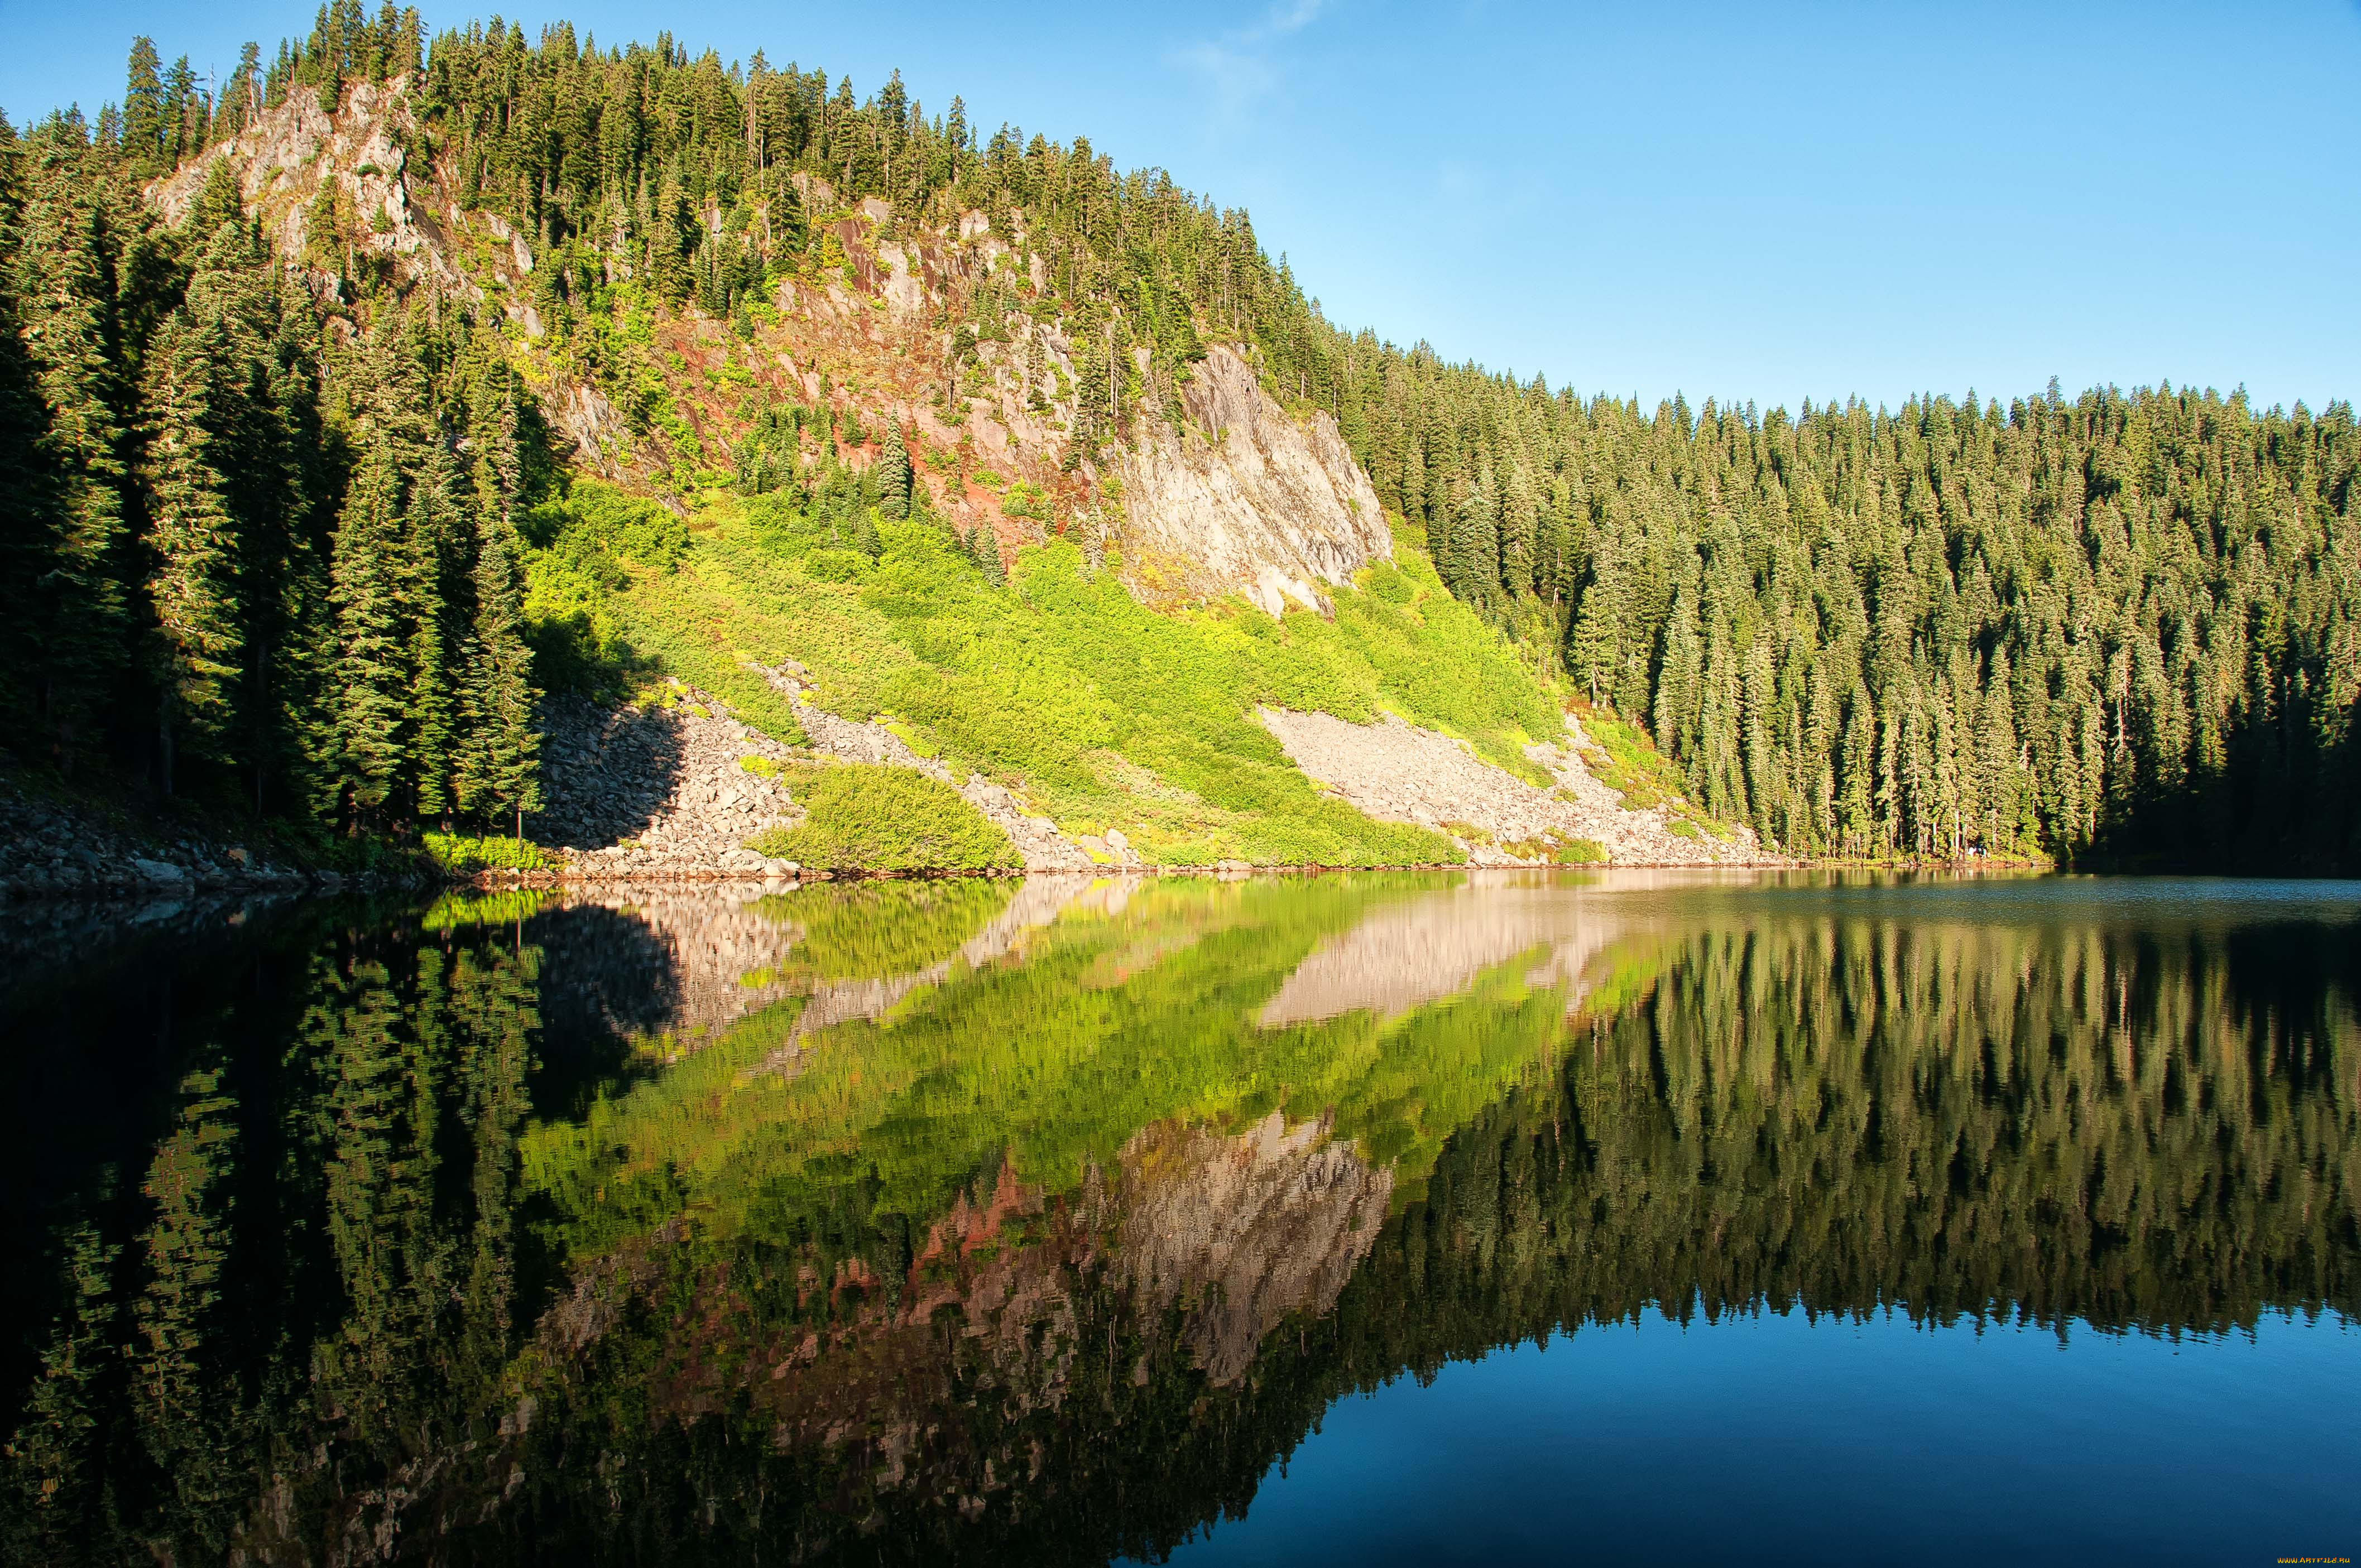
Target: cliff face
1217	489
1264	506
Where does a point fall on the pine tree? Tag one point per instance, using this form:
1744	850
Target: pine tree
193	537
371	685
435	617
147	128
497	767
894	473
1592	648
984	549
75	639
863	531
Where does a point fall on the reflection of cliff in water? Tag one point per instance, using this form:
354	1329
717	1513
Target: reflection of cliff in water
1042	1264
1406	955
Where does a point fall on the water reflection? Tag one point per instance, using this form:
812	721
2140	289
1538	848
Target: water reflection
981	1220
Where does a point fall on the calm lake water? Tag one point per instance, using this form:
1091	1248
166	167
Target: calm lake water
1606	1217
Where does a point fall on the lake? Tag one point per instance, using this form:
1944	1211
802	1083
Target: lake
1544	1217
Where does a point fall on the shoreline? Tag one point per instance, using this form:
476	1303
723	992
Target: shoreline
150	884
551	881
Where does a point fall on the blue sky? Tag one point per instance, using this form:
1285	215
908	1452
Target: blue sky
1742	201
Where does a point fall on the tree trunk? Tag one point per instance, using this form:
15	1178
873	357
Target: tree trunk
164	745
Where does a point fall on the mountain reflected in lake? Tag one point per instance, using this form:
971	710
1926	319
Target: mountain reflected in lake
1045	1222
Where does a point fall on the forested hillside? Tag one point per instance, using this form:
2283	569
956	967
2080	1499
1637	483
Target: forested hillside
243	549
2124	627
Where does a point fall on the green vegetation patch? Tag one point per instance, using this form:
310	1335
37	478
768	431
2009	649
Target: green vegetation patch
865	818
1558	849
1100	710
463	854
467	910
608	613
1112	1022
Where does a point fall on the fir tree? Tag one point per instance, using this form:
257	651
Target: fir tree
146	130
893	474
497	759
193	537
75	639
371	687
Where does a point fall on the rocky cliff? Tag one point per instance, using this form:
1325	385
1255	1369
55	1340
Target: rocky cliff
1217	489
1239	497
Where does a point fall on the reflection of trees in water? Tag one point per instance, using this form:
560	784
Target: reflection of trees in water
2153	1131
2144	1131
310	1342
313	1305
611	979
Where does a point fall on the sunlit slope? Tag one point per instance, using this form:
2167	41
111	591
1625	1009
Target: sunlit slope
1058	684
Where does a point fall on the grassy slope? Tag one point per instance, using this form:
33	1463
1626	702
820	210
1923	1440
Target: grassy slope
1102	713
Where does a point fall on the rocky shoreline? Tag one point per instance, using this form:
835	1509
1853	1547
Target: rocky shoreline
51	849
669	791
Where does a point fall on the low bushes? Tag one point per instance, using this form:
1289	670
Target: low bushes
865	818
462	854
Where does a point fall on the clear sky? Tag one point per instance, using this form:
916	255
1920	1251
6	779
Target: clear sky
1755	200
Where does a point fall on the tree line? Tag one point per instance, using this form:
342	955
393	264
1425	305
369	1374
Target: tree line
2124	627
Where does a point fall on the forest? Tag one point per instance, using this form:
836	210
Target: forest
2120	627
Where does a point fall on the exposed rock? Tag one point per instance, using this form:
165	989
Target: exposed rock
1399	772
659	790
51	850
1240	1232
1404	956
699	959
1266	507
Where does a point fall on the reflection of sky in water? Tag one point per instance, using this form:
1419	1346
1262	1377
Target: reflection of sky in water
1768	1438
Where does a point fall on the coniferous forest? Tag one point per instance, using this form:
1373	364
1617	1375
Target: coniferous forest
264	514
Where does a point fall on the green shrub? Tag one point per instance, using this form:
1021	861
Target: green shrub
464	911
1558	849
462	854
866	818
596	525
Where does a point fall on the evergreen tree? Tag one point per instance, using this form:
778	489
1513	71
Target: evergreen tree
193	537
497	759
893	474
148	133
74	641
372	682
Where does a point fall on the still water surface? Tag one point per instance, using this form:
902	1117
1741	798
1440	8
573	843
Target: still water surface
1388	1218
